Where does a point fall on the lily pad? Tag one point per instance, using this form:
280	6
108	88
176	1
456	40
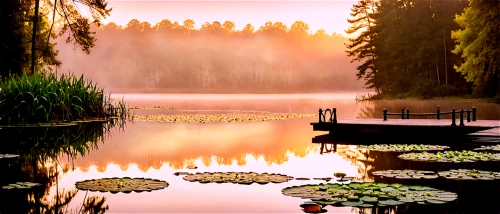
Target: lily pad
21	185
469	174
245	178
403	147
406	174
126	184
391	202
451	156
488	148
8	156
377	194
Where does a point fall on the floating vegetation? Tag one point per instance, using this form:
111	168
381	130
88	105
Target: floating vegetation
451	156
402	147
125	185
151	107
489	148
21	185
342	176
369	194
302	179
8	156
324	179
237	177
208	118
181	173
192	167
406	174
469	174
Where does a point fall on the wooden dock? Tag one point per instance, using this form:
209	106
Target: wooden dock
404	129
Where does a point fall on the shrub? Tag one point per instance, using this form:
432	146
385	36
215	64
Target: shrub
44	98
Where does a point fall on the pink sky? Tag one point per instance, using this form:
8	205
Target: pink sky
328	15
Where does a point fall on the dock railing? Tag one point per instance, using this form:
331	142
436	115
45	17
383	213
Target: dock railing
438	114
406	115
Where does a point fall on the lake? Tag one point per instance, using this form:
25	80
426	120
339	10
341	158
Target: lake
158	150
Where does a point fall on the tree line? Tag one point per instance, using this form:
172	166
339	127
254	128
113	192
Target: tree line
427	47
216	57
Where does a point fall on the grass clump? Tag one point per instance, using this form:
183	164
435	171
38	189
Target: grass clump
47	98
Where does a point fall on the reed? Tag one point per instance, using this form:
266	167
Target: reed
47	98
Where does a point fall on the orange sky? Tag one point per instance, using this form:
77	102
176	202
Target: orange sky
328	15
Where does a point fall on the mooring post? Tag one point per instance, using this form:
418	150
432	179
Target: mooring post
473	114
403	113
461	117
468	115
385	114
453	117
438	113
320	114
335	115
407	113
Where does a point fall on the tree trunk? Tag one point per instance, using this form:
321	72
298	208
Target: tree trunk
33	36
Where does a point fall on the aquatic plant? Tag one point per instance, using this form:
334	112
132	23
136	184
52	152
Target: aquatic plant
21	185
402	147
125	185
469	174
369	194
488	148
208	118
451	156
46	98
342	176
406	174
8	156
237	177
151	107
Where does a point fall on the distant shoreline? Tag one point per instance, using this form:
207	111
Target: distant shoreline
219	91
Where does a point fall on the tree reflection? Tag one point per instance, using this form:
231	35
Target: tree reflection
40	150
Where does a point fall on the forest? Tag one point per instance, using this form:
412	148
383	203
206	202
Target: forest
427	48
272	58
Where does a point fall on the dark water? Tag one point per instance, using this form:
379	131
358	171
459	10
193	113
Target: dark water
157	150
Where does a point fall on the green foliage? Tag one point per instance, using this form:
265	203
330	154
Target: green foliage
405	47
42	98
478	43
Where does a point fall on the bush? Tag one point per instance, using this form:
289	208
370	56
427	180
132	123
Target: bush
43	98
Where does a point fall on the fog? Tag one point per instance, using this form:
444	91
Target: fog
176	58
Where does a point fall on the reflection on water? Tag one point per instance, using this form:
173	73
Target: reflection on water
59	157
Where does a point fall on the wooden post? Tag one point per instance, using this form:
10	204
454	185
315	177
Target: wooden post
461	117
407	113
473	114
320	114
438	113
468	115
385	114
453	117
403	113
335	115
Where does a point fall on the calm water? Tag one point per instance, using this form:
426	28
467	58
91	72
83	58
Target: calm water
157	150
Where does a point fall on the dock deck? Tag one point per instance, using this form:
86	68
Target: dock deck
406	129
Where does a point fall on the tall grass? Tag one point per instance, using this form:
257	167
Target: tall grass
45	98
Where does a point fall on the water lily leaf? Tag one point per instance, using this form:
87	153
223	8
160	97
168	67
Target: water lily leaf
391	202
116	185
368	199
435	202
351	203
364	205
